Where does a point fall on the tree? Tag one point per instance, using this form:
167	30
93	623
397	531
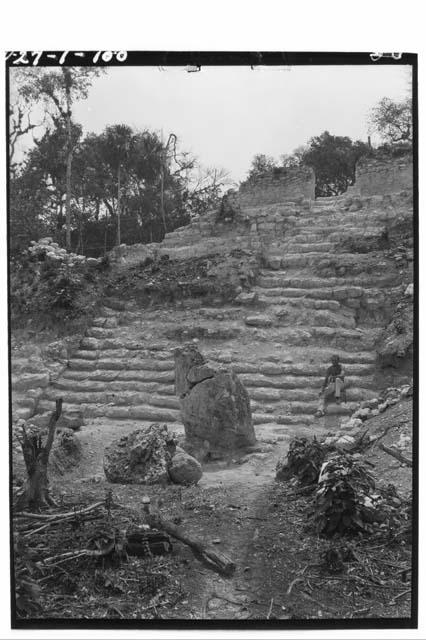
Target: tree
36	457
116	146
294	159
260	165
392	120
333	159
60	89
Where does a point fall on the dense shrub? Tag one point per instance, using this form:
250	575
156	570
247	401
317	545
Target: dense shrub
48	279
343	497
304	459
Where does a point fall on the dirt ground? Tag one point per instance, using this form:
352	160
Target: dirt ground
243	512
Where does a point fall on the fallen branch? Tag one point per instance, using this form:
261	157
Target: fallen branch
70	555
396	454
52	516
214	559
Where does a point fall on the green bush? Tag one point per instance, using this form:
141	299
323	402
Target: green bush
344	501
47	279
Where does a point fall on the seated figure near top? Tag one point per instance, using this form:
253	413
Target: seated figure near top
332	387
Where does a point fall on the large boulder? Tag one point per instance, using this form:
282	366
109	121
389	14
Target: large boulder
215	407
184	469
141	457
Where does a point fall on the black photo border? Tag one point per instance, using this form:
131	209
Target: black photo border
195	60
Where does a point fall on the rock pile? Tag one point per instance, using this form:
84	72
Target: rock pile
366	410
45	247
215	406
149	456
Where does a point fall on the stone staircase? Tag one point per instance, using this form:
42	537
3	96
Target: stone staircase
280	344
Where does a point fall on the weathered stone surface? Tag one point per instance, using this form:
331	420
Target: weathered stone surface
345	442
142	457
274	262
246	298
409	291
259	320
199	373
186	358
30	381
363	414
216	411
184	469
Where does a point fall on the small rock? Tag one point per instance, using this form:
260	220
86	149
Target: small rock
184	469
363	414
274	262
216	541
346	442
382	407
410	290
246	298
260	320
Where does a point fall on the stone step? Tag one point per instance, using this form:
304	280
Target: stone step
133	412
105	396
299	382
100	332
25	381
306	247
267	394
96	385
279	361
112	364
316	260
354	364
356	284
336	337
332	233
323	317
310	408
293	420
272	289
298	303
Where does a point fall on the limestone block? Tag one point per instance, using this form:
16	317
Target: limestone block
260	320
27	381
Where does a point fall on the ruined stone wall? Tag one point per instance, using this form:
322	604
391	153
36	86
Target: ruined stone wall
384	176
286	186
265	209
252	230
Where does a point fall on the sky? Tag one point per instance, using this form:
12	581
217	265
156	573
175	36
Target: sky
226	115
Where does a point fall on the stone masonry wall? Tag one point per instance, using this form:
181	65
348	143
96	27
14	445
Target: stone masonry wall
265	209
253	230
288	185
382	177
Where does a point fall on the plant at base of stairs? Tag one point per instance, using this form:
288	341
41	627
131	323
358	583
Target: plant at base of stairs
304	460
347	502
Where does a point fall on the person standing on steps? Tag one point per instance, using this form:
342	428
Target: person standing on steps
333	385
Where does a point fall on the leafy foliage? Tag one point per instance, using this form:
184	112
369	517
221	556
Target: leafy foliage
345	501
392	120
333	159
48	279
304	460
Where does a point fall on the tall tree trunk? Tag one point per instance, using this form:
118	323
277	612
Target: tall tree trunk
163	214
118	206
68	82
